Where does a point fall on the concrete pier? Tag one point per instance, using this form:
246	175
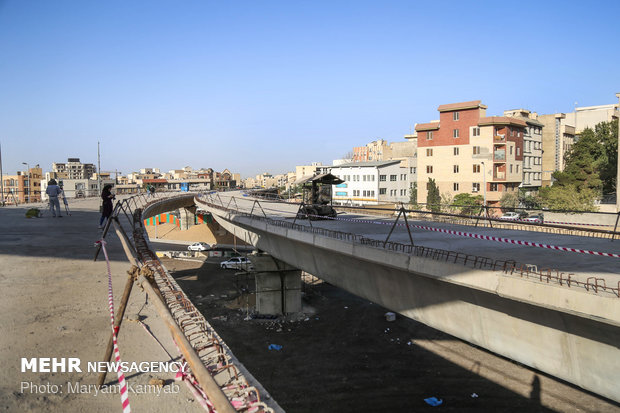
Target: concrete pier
278	286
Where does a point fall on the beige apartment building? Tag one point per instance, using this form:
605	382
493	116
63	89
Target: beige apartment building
24	187
73	169
590	116
557	139
468	152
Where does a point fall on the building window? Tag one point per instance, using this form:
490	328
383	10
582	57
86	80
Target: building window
403	177
475	131
429	152
510	168
517	169
455	116
429	136
456	151
493	187
476	150
381	191
455	133
476	168
429	169
511	150
381	178
455	168
392	178
455	186
518	151
475	187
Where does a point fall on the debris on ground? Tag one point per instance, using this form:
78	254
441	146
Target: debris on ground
433	401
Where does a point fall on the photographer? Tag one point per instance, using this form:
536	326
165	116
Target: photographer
107	196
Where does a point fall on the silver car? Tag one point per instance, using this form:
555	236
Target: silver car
237	263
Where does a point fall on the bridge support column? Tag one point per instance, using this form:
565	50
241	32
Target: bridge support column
278	286
188	217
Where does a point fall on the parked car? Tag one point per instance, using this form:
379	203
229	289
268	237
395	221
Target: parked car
511	216
538	218
237	263
199	246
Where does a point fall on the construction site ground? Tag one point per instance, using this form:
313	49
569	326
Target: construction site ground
342	355
55	304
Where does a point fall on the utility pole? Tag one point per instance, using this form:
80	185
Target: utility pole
98	170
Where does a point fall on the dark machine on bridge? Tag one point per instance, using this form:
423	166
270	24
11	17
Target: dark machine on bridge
317	196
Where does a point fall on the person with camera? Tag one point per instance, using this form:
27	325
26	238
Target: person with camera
107	196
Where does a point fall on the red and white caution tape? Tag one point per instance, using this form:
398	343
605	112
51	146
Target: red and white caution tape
117	355
486	237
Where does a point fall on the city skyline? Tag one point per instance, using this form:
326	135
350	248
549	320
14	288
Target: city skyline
264	87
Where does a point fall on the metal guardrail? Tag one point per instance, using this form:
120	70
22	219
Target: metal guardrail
509	267
211	364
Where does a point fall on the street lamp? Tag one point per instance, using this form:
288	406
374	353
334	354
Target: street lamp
28	166
484	180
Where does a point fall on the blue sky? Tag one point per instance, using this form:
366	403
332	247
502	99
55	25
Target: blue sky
257	86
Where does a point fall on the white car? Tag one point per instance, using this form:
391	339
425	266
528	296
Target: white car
237	263
199	246
537	218
511	216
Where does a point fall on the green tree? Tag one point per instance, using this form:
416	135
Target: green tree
413	195
582	164
433	199
509	201
529	200
568	198
446	203
607	133
468	204
589	172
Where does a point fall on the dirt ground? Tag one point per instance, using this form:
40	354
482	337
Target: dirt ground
55	304
342	355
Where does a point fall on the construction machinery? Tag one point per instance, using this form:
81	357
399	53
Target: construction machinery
317	196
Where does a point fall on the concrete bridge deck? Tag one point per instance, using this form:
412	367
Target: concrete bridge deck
571	332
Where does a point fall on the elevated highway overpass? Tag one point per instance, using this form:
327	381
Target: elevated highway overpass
553	310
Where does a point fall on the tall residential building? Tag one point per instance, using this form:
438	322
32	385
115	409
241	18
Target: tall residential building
532	147
558	138
468	152
73	169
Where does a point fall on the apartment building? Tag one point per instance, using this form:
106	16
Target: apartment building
557	139
23	187
73	169
532	147
371	183
374	151
306	171
590	116
468	152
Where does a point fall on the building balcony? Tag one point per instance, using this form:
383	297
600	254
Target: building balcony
499	175
499	138
499	156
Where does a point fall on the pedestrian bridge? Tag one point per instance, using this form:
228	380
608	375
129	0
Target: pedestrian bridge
550	309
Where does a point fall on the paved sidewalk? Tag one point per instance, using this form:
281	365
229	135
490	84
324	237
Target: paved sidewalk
55	305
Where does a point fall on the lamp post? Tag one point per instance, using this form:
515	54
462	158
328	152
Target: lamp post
28	166
484	180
